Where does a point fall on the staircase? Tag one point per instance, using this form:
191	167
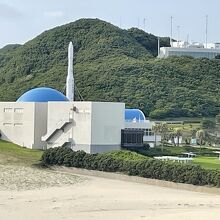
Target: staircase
59	126
60	142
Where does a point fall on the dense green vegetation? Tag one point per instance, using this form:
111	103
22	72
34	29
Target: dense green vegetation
148	168
112	64
13	154
125	155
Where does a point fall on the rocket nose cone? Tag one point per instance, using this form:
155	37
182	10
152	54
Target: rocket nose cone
70	50
70	45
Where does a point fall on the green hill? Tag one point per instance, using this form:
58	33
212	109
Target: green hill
112	64
149	41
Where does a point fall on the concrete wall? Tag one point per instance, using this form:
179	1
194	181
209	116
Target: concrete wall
78	130
107	123
90	126
17	123
95	126
40	125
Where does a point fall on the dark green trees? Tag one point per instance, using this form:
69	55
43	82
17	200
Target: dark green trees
112	64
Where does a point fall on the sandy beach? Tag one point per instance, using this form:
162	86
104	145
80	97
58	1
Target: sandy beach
48	195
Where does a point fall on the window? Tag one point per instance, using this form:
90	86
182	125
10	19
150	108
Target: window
7	124
18	110
17	124
148	132
8	109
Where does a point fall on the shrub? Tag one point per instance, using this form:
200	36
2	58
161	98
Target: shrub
135	166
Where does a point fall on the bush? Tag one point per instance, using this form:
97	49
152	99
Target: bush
135	166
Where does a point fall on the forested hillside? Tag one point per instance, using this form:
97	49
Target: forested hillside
112	64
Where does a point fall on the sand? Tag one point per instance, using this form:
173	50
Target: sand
66	196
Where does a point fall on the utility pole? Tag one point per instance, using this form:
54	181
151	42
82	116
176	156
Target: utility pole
144	24
178	32
206	31
171	31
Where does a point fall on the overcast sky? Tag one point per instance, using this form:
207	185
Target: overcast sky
22	20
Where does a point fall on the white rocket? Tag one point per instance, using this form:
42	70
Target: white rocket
70	79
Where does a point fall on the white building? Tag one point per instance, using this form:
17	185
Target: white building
44	118
93	127
38	123
197	50
23	123
135	120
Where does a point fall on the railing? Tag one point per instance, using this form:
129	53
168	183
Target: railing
61	141
175	159
58	126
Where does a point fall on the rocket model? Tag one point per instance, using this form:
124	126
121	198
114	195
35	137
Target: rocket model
70	79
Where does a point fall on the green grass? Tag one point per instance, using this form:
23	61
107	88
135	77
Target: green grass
186	126
208	162
126	155
205	156
13	154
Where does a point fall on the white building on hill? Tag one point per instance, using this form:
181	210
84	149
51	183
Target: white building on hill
196	50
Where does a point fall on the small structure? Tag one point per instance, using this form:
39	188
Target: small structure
189	154
175	159
217	152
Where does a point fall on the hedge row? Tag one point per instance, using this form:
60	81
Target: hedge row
148	168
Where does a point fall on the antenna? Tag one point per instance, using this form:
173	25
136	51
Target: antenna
178	38
187	39
144	24
171	31
206	31
138	22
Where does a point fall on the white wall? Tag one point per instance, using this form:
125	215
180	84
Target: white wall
40	125
78	131
17	123
95	127
139	125
107	123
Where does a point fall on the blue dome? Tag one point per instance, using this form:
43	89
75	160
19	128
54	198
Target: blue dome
134	114
42	94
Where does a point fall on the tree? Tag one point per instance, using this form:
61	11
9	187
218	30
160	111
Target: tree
164	131
178	134
217	119
107	62
172	136
156	130
208	124
200	136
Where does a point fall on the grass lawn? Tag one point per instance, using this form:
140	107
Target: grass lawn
13	154
186	126
208	162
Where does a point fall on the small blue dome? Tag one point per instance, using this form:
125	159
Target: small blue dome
42	94
134	114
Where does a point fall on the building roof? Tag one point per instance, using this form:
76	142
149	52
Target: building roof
42	94
134	115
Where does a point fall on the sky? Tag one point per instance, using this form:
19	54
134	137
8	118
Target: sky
22	20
